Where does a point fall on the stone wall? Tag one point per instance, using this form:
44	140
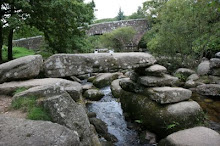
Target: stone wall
33	43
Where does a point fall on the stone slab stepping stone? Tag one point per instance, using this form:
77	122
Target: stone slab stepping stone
93	94
22	132
10	87
165	95
155	70
212	90
62	65
197	136
22	68
152	81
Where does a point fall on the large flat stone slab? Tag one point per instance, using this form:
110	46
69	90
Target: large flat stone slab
9	87
22	68
22	132
164	95
61	65
197	136
152	81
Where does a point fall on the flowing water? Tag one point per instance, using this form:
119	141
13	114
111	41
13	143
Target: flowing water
110	111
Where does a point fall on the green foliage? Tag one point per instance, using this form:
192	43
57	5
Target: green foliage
181	76
105	20
33	109
184	29
120	15
20	90
119	38
26	31
171	126
59	20
137	15
18	52
138	121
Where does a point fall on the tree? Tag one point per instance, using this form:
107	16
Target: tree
119	38
59	20
120	15
185	29
137	15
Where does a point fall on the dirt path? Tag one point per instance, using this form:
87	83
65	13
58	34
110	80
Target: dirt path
5	103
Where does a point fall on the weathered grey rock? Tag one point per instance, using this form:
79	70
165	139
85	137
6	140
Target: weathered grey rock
21	68
152	81
217	55
22	132
102	129
209	90
203	68
197	136
215	63
158	118
10	87
190	84
164	95
116	88
93	94
65	111
51	90
74	78
185	72
87	86
193	77
62	65
94	137
216	72
155	70
130	86
105	79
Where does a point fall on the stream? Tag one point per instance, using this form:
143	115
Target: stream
110	111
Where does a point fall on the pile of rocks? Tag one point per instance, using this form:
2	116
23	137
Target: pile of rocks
150	96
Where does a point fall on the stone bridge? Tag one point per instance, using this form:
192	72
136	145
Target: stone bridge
140	25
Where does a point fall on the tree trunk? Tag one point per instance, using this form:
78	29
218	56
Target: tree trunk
10	38
1	43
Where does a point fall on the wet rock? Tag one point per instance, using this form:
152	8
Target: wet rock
217	55
155	70
94	137
130	86
65	111
21	68
185	72
102	129
215	63
152	81
10	87
61	65
87	87
193	77
74	78
203	68
91	79
197	136
91	115
148	137
93	94
212	90
105	79
159	118
216	72
190	84
22	132
116	88
164	95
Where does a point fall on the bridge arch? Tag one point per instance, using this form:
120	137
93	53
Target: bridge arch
140	25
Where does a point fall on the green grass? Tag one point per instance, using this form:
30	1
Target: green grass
33	109
17	52
20	90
